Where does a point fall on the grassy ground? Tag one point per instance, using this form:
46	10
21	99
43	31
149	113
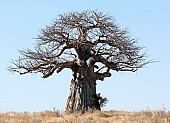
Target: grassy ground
94	117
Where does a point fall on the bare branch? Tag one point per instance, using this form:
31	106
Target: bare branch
61	66
101	76
90	37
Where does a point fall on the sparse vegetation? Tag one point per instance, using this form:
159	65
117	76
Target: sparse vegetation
88	117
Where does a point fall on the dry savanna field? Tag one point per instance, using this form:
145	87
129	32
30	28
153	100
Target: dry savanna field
88	117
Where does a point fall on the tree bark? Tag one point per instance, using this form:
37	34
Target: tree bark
82	89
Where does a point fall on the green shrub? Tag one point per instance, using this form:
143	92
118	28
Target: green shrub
98	101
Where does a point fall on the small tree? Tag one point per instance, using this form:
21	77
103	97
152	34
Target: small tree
89	43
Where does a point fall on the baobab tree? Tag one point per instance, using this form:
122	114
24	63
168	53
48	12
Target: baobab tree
91	44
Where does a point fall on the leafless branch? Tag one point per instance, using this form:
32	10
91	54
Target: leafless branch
81	35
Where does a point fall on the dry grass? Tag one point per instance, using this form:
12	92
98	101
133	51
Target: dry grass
94	117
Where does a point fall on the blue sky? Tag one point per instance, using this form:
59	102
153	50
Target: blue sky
147	20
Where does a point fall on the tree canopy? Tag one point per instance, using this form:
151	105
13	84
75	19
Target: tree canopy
88	36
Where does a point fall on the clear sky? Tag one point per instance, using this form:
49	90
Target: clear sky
147	20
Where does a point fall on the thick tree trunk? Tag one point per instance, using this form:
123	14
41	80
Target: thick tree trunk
82	89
